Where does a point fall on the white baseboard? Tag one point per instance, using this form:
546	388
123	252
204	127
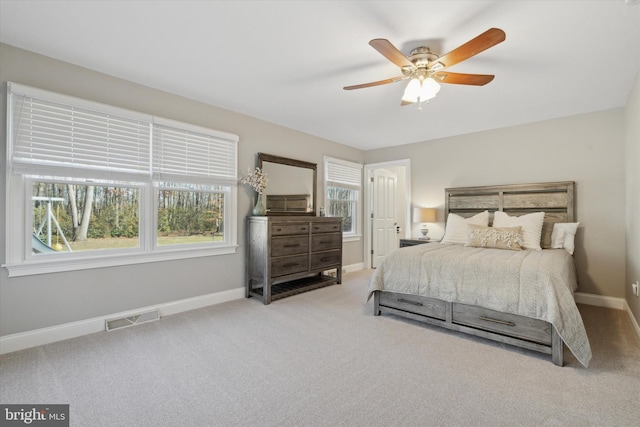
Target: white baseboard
599	300
634	322
24	340
353	267
609	302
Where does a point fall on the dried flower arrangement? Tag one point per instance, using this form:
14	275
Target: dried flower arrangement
256	179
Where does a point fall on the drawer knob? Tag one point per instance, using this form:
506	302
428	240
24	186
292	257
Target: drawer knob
502	322
419	304
291	246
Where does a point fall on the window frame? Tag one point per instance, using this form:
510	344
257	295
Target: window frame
20	261
356	234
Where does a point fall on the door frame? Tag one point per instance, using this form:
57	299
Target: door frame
368	201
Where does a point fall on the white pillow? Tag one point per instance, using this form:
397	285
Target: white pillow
531	226
563	235
456	230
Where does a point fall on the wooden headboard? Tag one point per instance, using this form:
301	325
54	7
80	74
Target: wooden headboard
555	199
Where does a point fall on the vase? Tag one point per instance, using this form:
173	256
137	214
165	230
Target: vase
260	209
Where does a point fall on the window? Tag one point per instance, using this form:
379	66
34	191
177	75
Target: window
89	185
71	217
343	182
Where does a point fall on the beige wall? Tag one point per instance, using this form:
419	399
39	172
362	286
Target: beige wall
587	149
33	302
591	149
632	156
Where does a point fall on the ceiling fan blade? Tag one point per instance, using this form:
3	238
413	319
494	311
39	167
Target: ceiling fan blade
378	83
390	52
404	103
463	79
484	41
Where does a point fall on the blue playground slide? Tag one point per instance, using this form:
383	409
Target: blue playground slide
38	247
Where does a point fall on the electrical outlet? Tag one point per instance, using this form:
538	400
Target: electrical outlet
636	288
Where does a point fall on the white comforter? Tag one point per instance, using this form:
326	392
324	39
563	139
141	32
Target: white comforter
537	284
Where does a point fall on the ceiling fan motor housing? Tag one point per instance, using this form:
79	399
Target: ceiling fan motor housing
420	57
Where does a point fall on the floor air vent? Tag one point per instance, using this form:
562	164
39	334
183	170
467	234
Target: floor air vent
136	319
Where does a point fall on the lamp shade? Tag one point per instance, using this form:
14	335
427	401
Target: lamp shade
424	215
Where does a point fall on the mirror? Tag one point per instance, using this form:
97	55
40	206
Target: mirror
291	189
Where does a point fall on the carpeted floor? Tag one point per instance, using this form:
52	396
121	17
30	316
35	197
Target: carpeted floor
322	359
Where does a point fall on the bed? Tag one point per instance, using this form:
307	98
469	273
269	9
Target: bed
518	296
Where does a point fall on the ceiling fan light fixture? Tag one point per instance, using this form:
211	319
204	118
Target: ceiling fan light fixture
424	69
419	90
412	91
429	89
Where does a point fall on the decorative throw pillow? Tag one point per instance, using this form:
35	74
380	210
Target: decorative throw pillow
531	227
456	229
563	235
497	238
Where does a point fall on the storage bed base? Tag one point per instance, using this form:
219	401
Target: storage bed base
532	334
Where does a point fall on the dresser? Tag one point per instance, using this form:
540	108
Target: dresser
287	255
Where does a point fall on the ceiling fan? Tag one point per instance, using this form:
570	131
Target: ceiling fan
425	68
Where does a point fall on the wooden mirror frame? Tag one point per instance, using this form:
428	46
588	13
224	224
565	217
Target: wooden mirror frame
262	157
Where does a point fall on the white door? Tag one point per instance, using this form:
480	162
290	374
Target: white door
384	235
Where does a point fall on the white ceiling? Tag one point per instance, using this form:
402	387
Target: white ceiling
286	62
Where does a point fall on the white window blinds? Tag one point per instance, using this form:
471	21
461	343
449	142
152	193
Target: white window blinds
65	136
196	154
49	133
342	173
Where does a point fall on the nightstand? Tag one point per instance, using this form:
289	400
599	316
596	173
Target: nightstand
413	242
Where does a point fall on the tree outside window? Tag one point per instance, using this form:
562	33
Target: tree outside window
342	198
342	203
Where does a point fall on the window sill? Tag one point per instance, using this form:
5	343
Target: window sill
57	265
351	238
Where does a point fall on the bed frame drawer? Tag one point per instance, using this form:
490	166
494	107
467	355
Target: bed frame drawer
415	304
507	324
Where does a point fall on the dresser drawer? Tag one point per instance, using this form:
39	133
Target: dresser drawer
329	227
322	242
289	265
503	323
287	229
416	304
325	259
289	245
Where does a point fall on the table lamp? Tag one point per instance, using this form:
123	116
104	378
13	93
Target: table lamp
424	215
